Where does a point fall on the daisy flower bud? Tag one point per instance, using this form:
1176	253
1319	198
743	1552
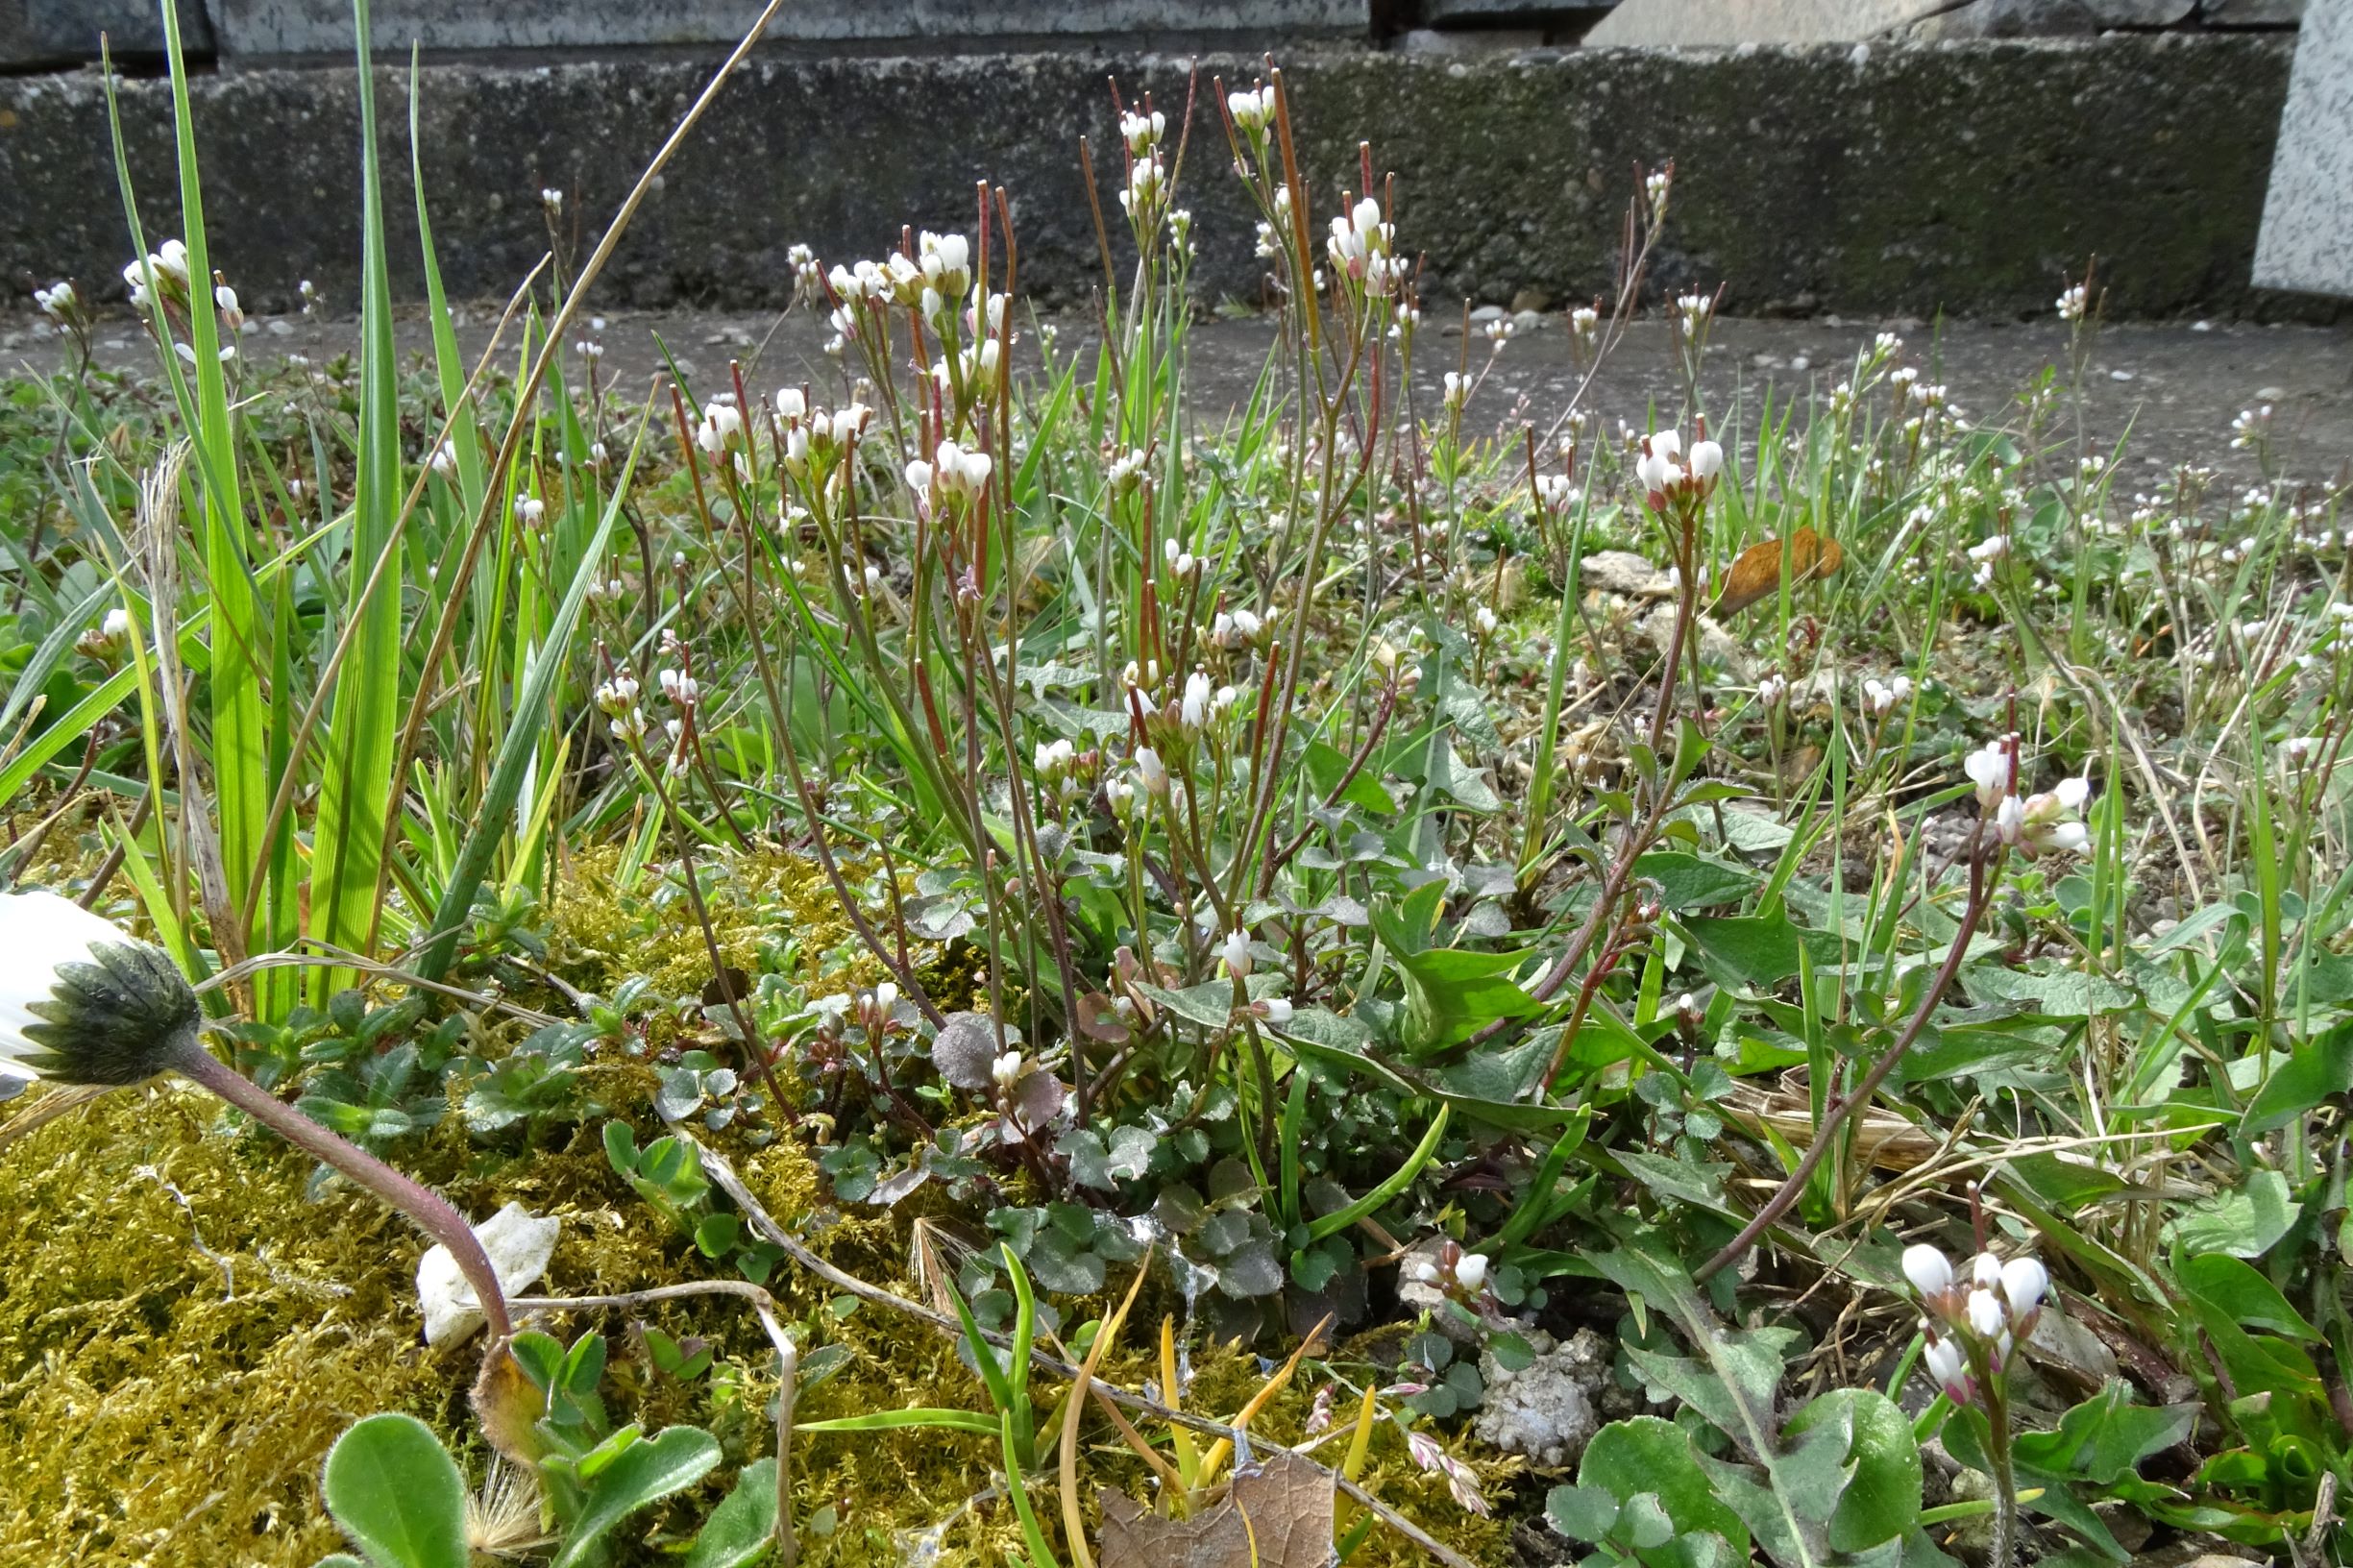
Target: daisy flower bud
81	1001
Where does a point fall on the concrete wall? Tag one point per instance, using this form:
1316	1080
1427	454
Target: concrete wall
1973	176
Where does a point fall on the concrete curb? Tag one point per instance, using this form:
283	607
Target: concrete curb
1973	177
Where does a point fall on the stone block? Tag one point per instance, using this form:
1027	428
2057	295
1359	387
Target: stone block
2307	240
2011	19
63	31
2251	13
2142	12
1803	173
1454	13
257	28
1674	24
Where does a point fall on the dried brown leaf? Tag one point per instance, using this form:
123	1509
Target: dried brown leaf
1757	570
1277	1514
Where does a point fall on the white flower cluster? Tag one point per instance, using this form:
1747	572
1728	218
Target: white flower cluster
1985	553
1253	109
1974	1321
170	265
1361	249
2251	425
1235	628
2072	303
1880	698
952	473
1556	492
815	437
1692	312
2051	820
1665	475
60	304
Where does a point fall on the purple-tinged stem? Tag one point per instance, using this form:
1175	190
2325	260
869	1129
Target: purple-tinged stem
433	1212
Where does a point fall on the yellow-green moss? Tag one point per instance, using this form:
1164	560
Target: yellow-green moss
161	1406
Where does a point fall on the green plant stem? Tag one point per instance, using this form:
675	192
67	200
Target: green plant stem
433	1212
2005	1475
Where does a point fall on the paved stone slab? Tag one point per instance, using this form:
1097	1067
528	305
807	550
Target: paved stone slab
261	28
2307	240
2171	391
1675	24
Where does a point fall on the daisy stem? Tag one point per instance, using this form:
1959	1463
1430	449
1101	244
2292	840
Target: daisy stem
433	1212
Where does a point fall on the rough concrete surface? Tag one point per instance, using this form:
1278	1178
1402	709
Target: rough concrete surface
2169	393
280	27
2307	239
1972	177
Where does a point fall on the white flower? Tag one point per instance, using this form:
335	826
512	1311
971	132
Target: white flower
2071	303
2024	1281
232	314
1985	1271
1141	132
1252	109
1151	771
2297	751
1881	698
1006	1069
680	687
1948	1367
958	471
1482	623
721	428
81	1000
1195	711
1928	1270
1985	1314
791	403
1990	768
2051	820
59	302
519	1243
117	623
528	510
1275	1009
1237	954
1707	460
945	261
1471	1271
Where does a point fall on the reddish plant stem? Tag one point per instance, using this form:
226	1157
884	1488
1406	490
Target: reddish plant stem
1984	875
433	1212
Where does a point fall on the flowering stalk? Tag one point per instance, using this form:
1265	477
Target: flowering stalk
1975	1326
1984	876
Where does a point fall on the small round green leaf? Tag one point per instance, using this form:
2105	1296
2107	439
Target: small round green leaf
397	1494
